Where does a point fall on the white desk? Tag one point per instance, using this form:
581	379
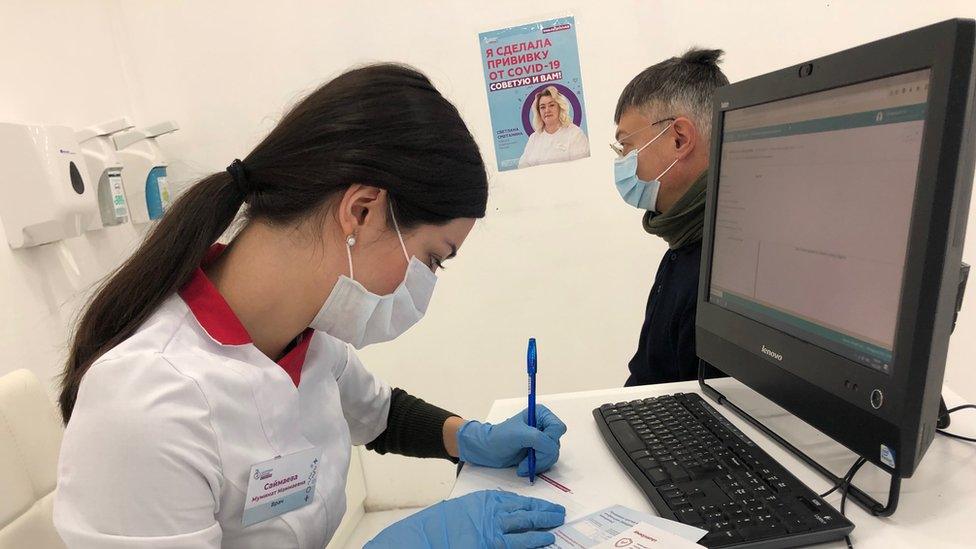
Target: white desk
936	505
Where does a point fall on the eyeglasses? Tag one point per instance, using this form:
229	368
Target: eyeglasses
617	147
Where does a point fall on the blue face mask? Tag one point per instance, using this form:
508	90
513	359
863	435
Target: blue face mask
638	193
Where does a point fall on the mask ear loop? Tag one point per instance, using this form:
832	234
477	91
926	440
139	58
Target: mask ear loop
400	236
654	138
666	170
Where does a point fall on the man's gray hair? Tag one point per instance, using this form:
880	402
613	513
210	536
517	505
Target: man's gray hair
680	86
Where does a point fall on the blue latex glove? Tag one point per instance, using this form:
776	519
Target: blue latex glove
506	444
490	519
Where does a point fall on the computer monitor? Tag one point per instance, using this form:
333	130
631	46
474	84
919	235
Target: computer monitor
837	203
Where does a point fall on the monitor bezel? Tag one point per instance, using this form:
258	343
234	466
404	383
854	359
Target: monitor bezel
831	392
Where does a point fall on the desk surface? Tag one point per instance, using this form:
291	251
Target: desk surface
936	504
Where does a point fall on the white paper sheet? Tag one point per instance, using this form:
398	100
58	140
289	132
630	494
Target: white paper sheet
606	524
647	536
554	486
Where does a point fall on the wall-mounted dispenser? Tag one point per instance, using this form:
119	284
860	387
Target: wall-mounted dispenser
45	193
106	169
146	189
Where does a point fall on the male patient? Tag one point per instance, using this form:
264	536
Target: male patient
663	122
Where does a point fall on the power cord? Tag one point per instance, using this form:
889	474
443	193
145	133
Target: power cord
946	415
843	498
843	486
845	482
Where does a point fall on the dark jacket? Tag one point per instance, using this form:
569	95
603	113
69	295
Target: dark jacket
666	348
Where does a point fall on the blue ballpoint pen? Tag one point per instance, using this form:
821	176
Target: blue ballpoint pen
532	362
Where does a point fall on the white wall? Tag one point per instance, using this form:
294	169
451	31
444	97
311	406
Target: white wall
559	256
61	65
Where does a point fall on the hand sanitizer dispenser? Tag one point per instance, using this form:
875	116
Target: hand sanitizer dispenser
45	194
106	169
146	189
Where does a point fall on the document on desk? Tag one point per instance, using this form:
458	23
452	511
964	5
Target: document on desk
616	524
645	536
550	486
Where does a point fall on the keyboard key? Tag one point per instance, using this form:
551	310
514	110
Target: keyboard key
742	522
657	476
628	440
796	525
721	525
647	463
734	462
760	531
723	537
737	515
672	493
697	472
689	517
812	504
678	474
713	517
639	454
679	502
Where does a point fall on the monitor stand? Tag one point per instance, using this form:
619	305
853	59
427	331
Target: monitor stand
856	495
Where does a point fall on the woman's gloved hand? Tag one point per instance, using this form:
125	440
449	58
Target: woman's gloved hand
506	444
489	519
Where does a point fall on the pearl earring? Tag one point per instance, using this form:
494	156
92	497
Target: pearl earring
351	240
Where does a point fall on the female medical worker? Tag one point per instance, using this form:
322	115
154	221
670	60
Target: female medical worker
554	138
211	395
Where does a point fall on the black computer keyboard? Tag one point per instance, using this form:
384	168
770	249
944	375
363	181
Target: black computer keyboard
697	468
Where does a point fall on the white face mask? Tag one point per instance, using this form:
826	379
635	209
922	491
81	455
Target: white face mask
359	317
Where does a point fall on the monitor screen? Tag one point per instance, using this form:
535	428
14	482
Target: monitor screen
814	203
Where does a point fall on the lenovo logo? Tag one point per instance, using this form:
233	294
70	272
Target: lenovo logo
771	353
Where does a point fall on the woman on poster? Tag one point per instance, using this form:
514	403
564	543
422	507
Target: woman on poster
555	138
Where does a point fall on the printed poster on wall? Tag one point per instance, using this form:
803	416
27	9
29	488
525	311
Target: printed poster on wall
535	93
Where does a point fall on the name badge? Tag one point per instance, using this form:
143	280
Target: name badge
282	484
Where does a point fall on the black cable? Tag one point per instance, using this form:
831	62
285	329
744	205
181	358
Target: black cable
844	480
847	482
831	491
953	435
848	478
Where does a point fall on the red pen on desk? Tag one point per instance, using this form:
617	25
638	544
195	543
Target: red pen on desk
555	484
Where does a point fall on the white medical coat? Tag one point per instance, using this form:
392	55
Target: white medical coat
567	143
168	424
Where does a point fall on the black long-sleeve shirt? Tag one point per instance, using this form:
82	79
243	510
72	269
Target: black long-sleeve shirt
666	348
413	428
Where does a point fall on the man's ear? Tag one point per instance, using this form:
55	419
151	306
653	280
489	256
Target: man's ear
359	204
685	136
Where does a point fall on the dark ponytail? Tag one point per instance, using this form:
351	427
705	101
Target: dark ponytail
383	125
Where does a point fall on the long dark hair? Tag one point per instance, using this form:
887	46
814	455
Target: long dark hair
383	125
